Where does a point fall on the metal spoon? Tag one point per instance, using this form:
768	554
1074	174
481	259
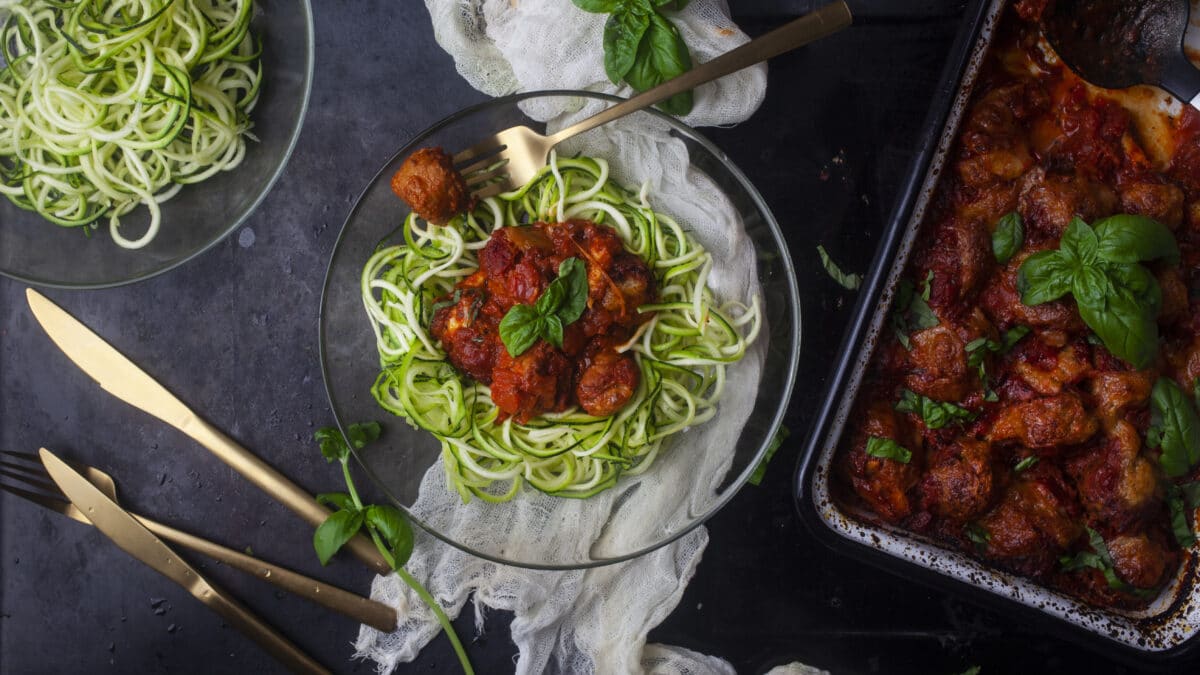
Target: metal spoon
1118	43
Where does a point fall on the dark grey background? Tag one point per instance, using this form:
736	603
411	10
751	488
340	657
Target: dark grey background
234	334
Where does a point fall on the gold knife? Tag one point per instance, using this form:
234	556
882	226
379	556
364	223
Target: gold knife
122	378
128	534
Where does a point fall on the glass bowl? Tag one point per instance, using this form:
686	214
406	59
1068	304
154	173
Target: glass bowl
406	461
37	251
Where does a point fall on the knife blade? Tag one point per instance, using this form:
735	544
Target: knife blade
122	378
133	538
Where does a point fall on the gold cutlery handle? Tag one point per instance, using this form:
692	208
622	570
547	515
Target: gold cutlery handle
808	28
241	618
274	483
374	614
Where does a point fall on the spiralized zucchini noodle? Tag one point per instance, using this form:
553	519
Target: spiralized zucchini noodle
109	104
682	350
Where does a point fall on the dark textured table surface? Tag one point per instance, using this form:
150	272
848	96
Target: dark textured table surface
234	333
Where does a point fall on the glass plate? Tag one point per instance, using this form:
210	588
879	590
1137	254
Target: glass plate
403	457
37	251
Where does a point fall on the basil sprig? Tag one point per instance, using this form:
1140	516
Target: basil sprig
387	525
886	448
1008	237
978	348
1174	428
1098	558
1118	298
558	306
642	47
936	414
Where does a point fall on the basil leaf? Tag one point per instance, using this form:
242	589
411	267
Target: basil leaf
340	500
572	274
452	301
1008	237
936	414
850	282
520	328
1098	558
888	449
1191	494
1091	286
363	432
661	56
623	33
1196	393
394	528
599	6
1014	335
1174	428
552	330
333	446
1131	239
1178	510
920	316
1026	463
676	4
977	534
1124	327
1079	243
551	298
333	534
1043	277
760	471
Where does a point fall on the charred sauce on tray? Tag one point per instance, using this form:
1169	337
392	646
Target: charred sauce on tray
1041	442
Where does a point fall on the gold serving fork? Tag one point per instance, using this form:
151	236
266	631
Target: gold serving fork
513	156
28	470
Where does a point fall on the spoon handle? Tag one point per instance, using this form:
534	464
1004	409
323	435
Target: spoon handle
1182	79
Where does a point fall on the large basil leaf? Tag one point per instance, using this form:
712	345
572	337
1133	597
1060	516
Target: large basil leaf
1124	326
1043	277
661	56
1079	244
572	275
1131	239
1174	428
623	33
520	328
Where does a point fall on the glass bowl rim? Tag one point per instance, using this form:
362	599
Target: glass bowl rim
293	141
793	294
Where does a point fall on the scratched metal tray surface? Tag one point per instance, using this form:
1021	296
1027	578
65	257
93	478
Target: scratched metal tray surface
1165	629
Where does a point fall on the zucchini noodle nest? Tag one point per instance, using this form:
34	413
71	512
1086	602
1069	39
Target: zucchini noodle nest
681	351
108	104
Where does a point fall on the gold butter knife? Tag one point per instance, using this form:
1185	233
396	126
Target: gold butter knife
128	534
122	378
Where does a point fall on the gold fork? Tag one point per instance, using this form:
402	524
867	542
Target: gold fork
513	156
29	471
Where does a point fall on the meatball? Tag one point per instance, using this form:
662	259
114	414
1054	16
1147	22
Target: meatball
1045	423
1033	523
958	481
607	383
1160	201
938	365
883	483
1049	202
1116	484
536	381
465	333
1069	366
429	184
1138	560
1002	302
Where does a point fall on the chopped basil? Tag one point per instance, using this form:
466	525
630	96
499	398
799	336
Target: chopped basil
1008	237
888	449
936	414
978	348
1026	463
1098	558
1174	428
850	282
760	471
977	534
912	311
1182	500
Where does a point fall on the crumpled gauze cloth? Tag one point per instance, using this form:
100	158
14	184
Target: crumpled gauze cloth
594	620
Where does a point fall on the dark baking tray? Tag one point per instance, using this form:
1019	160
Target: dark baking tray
1160	636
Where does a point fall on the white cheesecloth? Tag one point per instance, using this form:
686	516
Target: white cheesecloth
595	620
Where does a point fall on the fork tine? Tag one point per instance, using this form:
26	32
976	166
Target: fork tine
492	190
52	503
27	456
29	480
490	162
480	180
488	146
